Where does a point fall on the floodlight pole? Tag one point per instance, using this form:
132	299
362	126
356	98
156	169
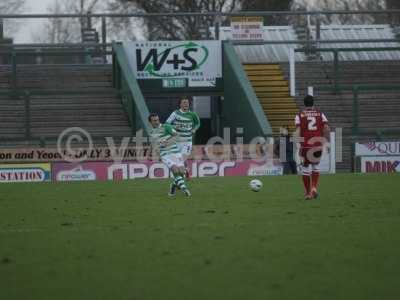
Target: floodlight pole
292	72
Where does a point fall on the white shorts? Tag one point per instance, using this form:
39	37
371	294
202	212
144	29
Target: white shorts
174	159
185	148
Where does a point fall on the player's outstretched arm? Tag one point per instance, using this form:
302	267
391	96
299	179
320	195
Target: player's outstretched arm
171	132
171	118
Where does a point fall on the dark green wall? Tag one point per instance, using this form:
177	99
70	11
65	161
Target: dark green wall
240	107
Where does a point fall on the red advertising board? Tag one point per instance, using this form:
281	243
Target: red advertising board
380	164
153	169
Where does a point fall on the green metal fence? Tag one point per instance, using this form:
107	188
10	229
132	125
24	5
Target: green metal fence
26	96
15	56
15	53
124	80
337	85
380	132
356	90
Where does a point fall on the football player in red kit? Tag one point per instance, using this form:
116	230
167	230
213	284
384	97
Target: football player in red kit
312	133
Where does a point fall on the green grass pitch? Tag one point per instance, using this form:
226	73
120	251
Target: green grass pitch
128	240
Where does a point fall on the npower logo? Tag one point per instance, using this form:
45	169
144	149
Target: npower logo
76	174
170	62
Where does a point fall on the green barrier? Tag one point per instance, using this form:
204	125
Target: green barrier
241	107
132	98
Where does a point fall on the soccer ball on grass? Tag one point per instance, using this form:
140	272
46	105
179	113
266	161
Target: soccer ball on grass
255	185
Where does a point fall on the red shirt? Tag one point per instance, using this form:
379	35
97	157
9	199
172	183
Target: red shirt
311	123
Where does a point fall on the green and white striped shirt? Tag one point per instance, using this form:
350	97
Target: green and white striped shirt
162	133
184	123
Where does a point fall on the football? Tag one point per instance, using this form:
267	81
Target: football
255	185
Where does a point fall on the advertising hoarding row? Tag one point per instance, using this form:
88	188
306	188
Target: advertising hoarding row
25	173
377	148
199	152
380	164
103	170
41	164
379	157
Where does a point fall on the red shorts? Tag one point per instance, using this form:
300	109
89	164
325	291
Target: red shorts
311	155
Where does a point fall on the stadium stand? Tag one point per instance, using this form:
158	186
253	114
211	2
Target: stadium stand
61	96
272	90
377	109
65	95
11	110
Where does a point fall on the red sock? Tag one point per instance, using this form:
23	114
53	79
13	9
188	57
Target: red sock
314	179
307	183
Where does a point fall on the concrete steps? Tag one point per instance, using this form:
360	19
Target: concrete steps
272	90
93	104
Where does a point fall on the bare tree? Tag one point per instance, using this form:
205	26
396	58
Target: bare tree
123	28
65	30
344	5
392	4
169	28
187	27
11	6
57	30
269	5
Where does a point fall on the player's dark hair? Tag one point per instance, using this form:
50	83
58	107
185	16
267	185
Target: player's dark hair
183	98
308	101
152	115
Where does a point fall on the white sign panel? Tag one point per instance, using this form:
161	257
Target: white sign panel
25	172
328	159
76	174
267	169
198	61
247	28
377	148
380	164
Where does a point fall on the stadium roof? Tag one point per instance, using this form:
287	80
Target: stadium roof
354	32
266	53
280	52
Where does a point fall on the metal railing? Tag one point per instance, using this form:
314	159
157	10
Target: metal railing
103	48
336	59
217	17
363	88
26	95
355	91
78	54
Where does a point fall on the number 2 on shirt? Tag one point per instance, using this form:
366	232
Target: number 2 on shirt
312	122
